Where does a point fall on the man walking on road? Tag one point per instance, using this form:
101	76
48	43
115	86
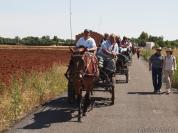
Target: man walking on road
156	66
138	53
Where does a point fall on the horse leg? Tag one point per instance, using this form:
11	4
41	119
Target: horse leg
86	102
79	100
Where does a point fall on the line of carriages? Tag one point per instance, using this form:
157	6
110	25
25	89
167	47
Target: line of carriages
107	78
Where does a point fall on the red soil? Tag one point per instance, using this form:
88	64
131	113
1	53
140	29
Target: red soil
15	61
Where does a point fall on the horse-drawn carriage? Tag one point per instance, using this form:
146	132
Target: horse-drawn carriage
124	60
88	76
106	79
89	73
122	66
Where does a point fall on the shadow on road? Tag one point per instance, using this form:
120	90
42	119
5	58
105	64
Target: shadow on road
121	81
145	93
175	91
58	111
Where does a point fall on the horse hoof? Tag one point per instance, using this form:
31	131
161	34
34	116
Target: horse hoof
85	114
79	120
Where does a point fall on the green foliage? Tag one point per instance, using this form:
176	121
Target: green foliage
146	54
158	40
69	42
36	41
143	36
16	99
156	45
175	78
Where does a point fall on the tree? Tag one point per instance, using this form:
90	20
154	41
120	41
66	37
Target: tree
155	38
17	40
45	40
143	36
141	43
55	40
69	42
1	40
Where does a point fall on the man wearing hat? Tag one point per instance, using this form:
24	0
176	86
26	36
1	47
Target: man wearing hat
169	67
156	66
87	41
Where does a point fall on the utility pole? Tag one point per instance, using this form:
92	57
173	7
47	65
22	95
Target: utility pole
70	11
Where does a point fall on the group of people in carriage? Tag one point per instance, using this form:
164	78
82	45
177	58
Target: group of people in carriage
85	67
109	50
112	47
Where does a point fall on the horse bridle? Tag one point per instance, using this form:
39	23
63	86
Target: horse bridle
79	72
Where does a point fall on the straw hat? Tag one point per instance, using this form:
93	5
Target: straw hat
169	50
159	49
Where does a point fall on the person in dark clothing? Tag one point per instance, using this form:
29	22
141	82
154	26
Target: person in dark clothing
138	53
156	66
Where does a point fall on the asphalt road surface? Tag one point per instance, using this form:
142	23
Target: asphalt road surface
136	110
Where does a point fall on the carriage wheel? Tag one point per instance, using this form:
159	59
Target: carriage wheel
127	77
71	92
113	90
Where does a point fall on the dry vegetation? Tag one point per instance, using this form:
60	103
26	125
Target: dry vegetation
29	78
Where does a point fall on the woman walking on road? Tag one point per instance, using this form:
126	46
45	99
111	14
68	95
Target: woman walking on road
169	66
156	66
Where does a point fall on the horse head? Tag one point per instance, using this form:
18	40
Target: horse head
78	65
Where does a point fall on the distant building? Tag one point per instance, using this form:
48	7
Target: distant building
150	45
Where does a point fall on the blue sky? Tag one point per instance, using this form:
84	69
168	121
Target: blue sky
123	17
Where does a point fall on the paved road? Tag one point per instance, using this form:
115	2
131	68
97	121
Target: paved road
136	110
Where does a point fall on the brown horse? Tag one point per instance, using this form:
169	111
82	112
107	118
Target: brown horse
83	71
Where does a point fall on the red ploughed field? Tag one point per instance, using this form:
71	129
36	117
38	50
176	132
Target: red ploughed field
15	61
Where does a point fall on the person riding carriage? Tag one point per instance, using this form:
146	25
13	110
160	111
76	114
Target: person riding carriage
87	42
126	47
105	37
108	52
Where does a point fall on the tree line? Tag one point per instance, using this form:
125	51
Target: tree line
36	41
47	41
158	40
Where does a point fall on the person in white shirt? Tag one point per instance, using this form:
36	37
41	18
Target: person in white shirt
169	66
109	51
84	42
87	41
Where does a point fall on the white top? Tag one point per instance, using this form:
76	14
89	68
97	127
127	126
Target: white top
110	47
123	49
170	63
89	43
